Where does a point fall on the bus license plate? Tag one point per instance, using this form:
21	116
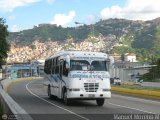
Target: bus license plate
91	95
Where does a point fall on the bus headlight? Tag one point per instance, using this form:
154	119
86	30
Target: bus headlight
105	90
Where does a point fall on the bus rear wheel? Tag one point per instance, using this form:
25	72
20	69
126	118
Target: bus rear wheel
100	101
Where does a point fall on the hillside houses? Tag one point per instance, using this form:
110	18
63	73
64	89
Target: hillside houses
128	57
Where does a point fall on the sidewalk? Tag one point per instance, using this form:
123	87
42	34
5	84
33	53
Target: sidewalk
151	84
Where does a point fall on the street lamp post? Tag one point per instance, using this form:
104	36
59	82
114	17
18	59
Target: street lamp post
77	23
92	27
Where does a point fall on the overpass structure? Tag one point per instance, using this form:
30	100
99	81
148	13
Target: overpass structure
126	71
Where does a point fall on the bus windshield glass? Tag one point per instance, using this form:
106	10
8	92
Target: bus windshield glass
79	65
98	66
84	65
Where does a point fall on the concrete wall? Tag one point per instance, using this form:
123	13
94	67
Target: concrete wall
10	107
126	74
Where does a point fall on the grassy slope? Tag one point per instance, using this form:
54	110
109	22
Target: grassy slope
137	90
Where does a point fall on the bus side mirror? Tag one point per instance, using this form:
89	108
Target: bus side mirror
108	60
107	63
67	62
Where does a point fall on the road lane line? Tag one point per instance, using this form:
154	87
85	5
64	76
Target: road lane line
130	108
53	103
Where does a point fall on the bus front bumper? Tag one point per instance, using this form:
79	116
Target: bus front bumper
88	95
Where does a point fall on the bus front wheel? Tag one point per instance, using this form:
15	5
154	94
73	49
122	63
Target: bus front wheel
49	92
100	101
66	100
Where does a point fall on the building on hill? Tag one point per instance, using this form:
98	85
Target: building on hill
130	57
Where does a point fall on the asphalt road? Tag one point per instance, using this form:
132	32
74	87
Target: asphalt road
30	96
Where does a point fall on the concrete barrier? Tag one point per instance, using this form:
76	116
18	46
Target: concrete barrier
5	84
9	106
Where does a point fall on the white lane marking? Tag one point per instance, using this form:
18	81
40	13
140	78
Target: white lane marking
130	108
53	103
138	99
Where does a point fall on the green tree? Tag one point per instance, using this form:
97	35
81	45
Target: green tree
154	57
156	44
122	49
143	55
4	46
153	73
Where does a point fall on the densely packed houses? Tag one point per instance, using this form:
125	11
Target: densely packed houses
44	50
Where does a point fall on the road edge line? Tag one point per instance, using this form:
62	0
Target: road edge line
53	103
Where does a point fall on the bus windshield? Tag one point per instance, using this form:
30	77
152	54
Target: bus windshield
98	66
79	65
84	65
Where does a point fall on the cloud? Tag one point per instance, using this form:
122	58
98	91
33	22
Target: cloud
114	11
12	17
62	19
10	5
134	9
15	28
50	1
91	19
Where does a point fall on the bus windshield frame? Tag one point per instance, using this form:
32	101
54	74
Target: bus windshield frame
84	65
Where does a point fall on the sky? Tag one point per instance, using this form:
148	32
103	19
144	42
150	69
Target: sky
25	14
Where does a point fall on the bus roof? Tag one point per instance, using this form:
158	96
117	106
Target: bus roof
80	54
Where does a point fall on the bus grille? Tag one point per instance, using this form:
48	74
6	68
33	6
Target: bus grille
91	87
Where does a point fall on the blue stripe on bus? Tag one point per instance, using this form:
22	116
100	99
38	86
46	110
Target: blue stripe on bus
56	78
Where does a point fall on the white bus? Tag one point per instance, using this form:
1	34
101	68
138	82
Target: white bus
78	75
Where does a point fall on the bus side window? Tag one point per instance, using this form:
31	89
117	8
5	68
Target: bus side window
49	67
65	70
53	65
45	66
57	66
61	68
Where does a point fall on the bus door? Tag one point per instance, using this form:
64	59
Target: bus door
60	79
52	80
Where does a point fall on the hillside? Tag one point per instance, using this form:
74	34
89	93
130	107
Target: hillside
136	34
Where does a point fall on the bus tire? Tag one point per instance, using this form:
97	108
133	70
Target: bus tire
65	99
100	101
49	92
